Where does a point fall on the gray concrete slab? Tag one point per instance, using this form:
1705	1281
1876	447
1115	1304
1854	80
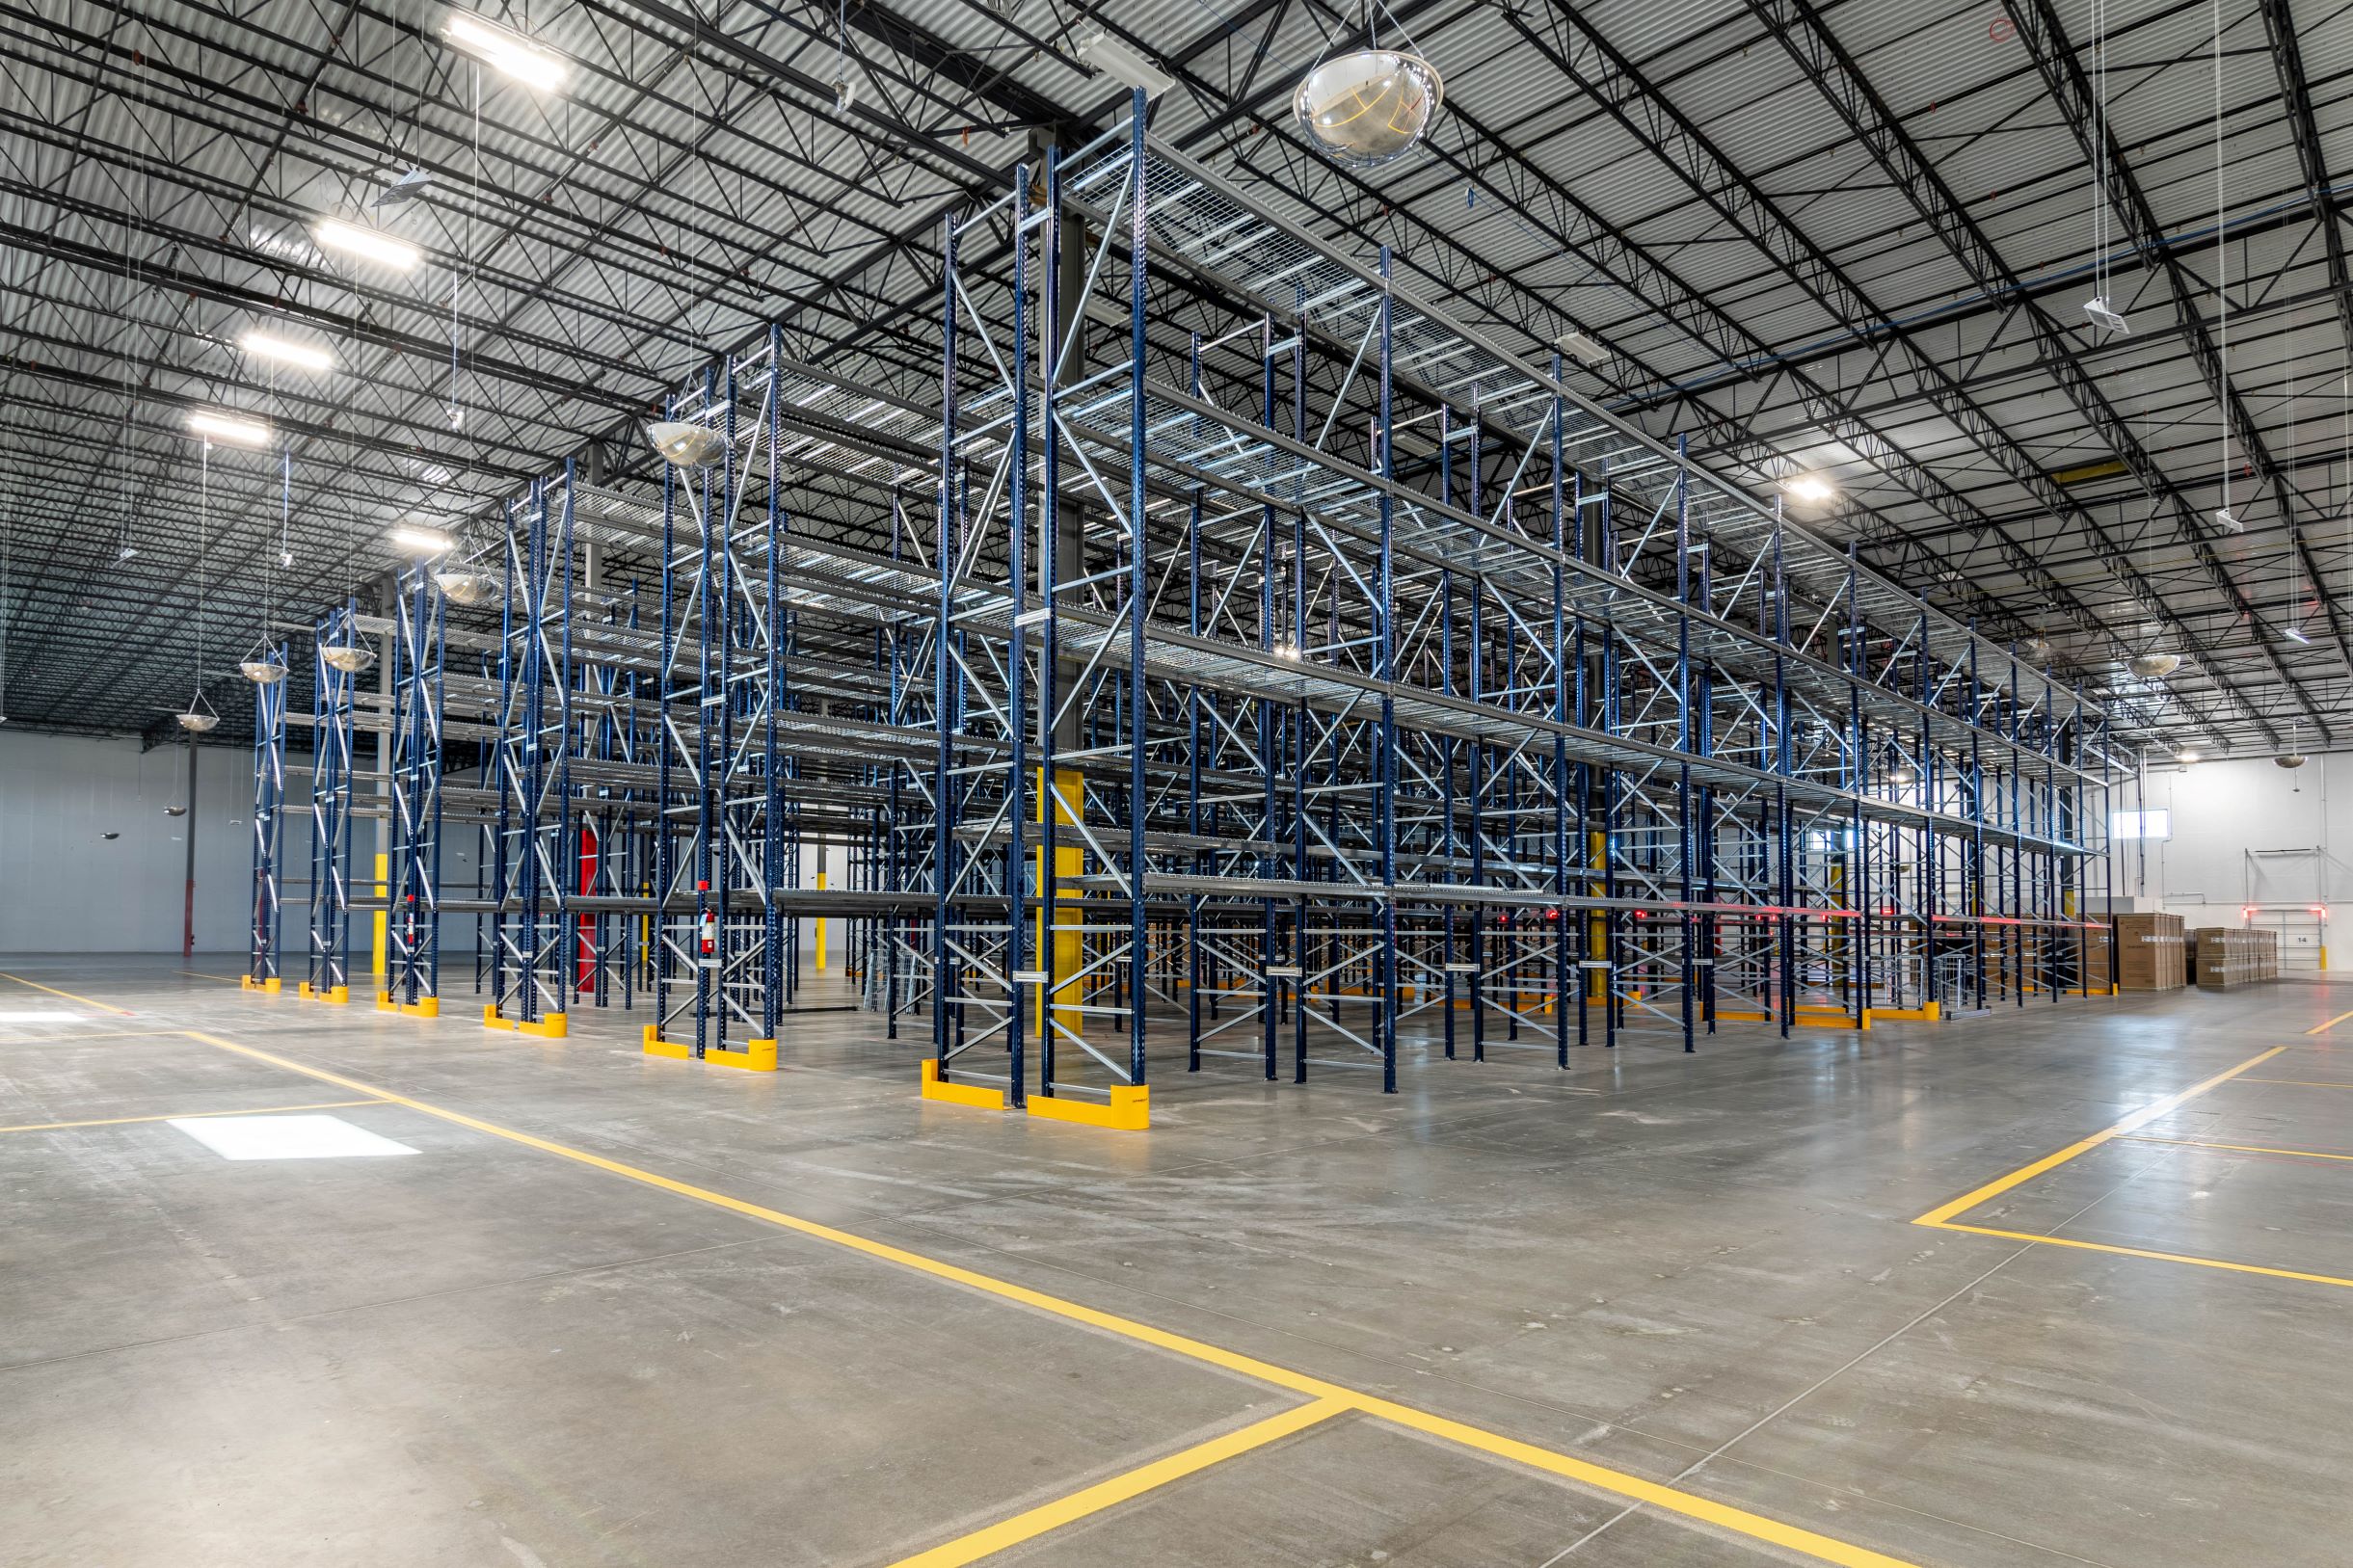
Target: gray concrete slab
1699	1270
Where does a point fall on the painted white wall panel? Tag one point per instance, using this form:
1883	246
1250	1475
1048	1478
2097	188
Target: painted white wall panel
65	888
2247	833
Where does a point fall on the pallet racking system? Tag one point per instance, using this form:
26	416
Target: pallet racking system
1284	663
1411	678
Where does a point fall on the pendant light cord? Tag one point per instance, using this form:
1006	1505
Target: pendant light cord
204	545
2222	274
2100	150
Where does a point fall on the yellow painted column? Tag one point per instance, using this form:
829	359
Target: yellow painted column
820	920
384	871
1596	925
1062	951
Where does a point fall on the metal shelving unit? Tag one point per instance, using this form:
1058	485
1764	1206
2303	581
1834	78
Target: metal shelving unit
1424	684
1260	655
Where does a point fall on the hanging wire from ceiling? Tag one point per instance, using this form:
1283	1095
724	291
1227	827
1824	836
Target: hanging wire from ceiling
199	716
2223	514
2291	563
2101	308
264	666
134	285
462	274
845	90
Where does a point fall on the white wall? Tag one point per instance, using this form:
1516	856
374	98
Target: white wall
2221	811
64	887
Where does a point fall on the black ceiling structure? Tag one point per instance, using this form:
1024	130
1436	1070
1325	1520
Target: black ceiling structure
1852	239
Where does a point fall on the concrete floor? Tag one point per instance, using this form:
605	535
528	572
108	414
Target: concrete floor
1698	1271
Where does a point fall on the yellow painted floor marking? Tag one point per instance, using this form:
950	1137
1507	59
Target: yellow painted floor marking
2200	1143
103	1007
2323	1029
188	1115
1633	1487
1941	1214
232	979
2144	1252
1023	1526
2307	1083
1688	1504
1942	1217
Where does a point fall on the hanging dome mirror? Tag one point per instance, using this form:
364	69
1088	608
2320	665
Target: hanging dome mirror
1369	107
468	585
350	657
686	444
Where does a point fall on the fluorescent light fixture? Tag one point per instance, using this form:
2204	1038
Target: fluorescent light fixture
285	351
2296	634
1583	349
366	244
279	245
515	56
2227	521
1810	488
422	541
2185	756
2104	315
1121	63
286	1137
229	428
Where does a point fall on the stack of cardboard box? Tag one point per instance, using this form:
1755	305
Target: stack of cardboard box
2224	956
2151	953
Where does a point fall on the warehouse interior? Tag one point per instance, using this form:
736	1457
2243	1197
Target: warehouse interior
1264	782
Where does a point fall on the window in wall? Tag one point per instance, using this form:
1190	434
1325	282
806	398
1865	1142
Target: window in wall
2156	824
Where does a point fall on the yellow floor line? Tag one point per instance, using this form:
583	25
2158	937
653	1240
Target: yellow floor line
1943	1212
188	1115
1632	1487
232	979
103	1007
1942	1217
2307	1083
1688	1504
1024	1527
2233	1147
2144	1252
2323	1029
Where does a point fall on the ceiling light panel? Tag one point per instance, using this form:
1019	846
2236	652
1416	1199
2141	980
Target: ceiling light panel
362	244
511	54
286	350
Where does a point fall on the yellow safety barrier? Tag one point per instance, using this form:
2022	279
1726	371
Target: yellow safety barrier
550	1025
